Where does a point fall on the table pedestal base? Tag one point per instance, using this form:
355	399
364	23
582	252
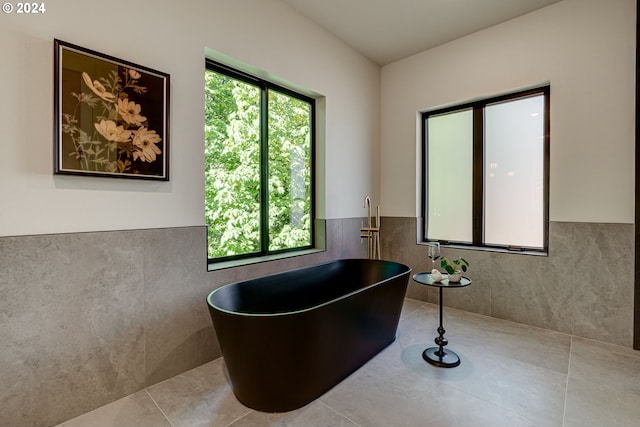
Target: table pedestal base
438	356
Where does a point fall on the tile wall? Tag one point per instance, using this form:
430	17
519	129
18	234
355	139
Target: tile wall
584	287
88	318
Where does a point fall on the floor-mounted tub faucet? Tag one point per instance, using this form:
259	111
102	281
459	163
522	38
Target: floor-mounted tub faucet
367	204
371	233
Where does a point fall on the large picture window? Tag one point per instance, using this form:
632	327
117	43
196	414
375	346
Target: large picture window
259	169
486	172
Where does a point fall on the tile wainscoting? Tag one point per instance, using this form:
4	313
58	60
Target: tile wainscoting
584	287
88	318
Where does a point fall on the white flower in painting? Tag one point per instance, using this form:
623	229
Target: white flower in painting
134	74
98	88
130	112
112	132
145	141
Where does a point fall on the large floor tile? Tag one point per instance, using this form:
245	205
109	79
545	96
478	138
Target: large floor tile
606	365
591	405
477	334
136	410
536	346
199	397
315	414
494	373
373	399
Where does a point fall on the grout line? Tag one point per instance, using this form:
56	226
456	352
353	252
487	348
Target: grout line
159	408
239	418
339	413
620	348
509	321
566	387
144	332
410	313
144	310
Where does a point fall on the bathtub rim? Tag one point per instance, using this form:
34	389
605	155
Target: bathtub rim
304	310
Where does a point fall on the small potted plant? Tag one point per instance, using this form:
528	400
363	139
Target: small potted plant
455	268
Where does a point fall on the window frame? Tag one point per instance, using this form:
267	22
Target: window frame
264	86
478	107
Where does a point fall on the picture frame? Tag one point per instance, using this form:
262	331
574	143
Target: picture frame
111	117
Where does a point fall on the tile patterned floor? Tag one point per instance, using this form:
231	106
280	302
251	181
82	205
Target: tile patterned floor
511	375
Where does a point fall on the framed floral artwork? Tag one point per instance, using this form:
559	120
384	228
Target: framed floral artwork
111	116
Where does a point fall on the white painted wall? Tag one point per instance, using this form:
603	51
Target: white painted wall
585	48
172	37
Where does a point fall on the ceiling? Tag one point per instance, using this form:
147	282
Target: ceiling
388	30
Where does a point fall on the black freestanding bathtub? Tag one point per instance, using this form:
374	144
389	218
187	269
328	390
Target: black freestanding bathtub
288	338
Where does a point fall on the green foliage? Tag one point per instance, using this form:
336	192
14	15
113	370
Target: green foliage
455	265
233	170
289	172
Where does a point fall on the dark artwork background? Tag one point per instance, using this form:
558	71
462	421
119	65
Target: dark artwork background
153	103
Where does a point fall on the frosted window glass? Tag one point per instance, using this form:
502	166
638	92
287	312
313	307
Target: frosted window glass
514	173
450	177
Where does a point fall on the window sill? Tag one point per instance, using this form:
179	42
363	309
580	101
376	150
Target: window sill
491	249
215	266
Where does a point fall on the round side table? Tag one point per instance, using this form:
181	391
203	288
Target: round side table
438	356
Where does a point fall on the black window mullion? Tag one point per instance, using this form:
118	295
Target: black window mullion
425	175
547	162
264	169
478	165
478	174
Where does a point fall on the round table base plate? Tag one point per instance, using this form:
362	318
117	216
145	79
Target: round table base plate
448	360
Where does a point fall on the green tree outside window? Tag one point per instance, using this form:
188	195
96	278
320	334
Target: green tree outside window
259	167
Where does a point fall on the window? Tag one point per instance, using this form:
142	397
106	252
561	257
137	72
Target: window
259	169
486	172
